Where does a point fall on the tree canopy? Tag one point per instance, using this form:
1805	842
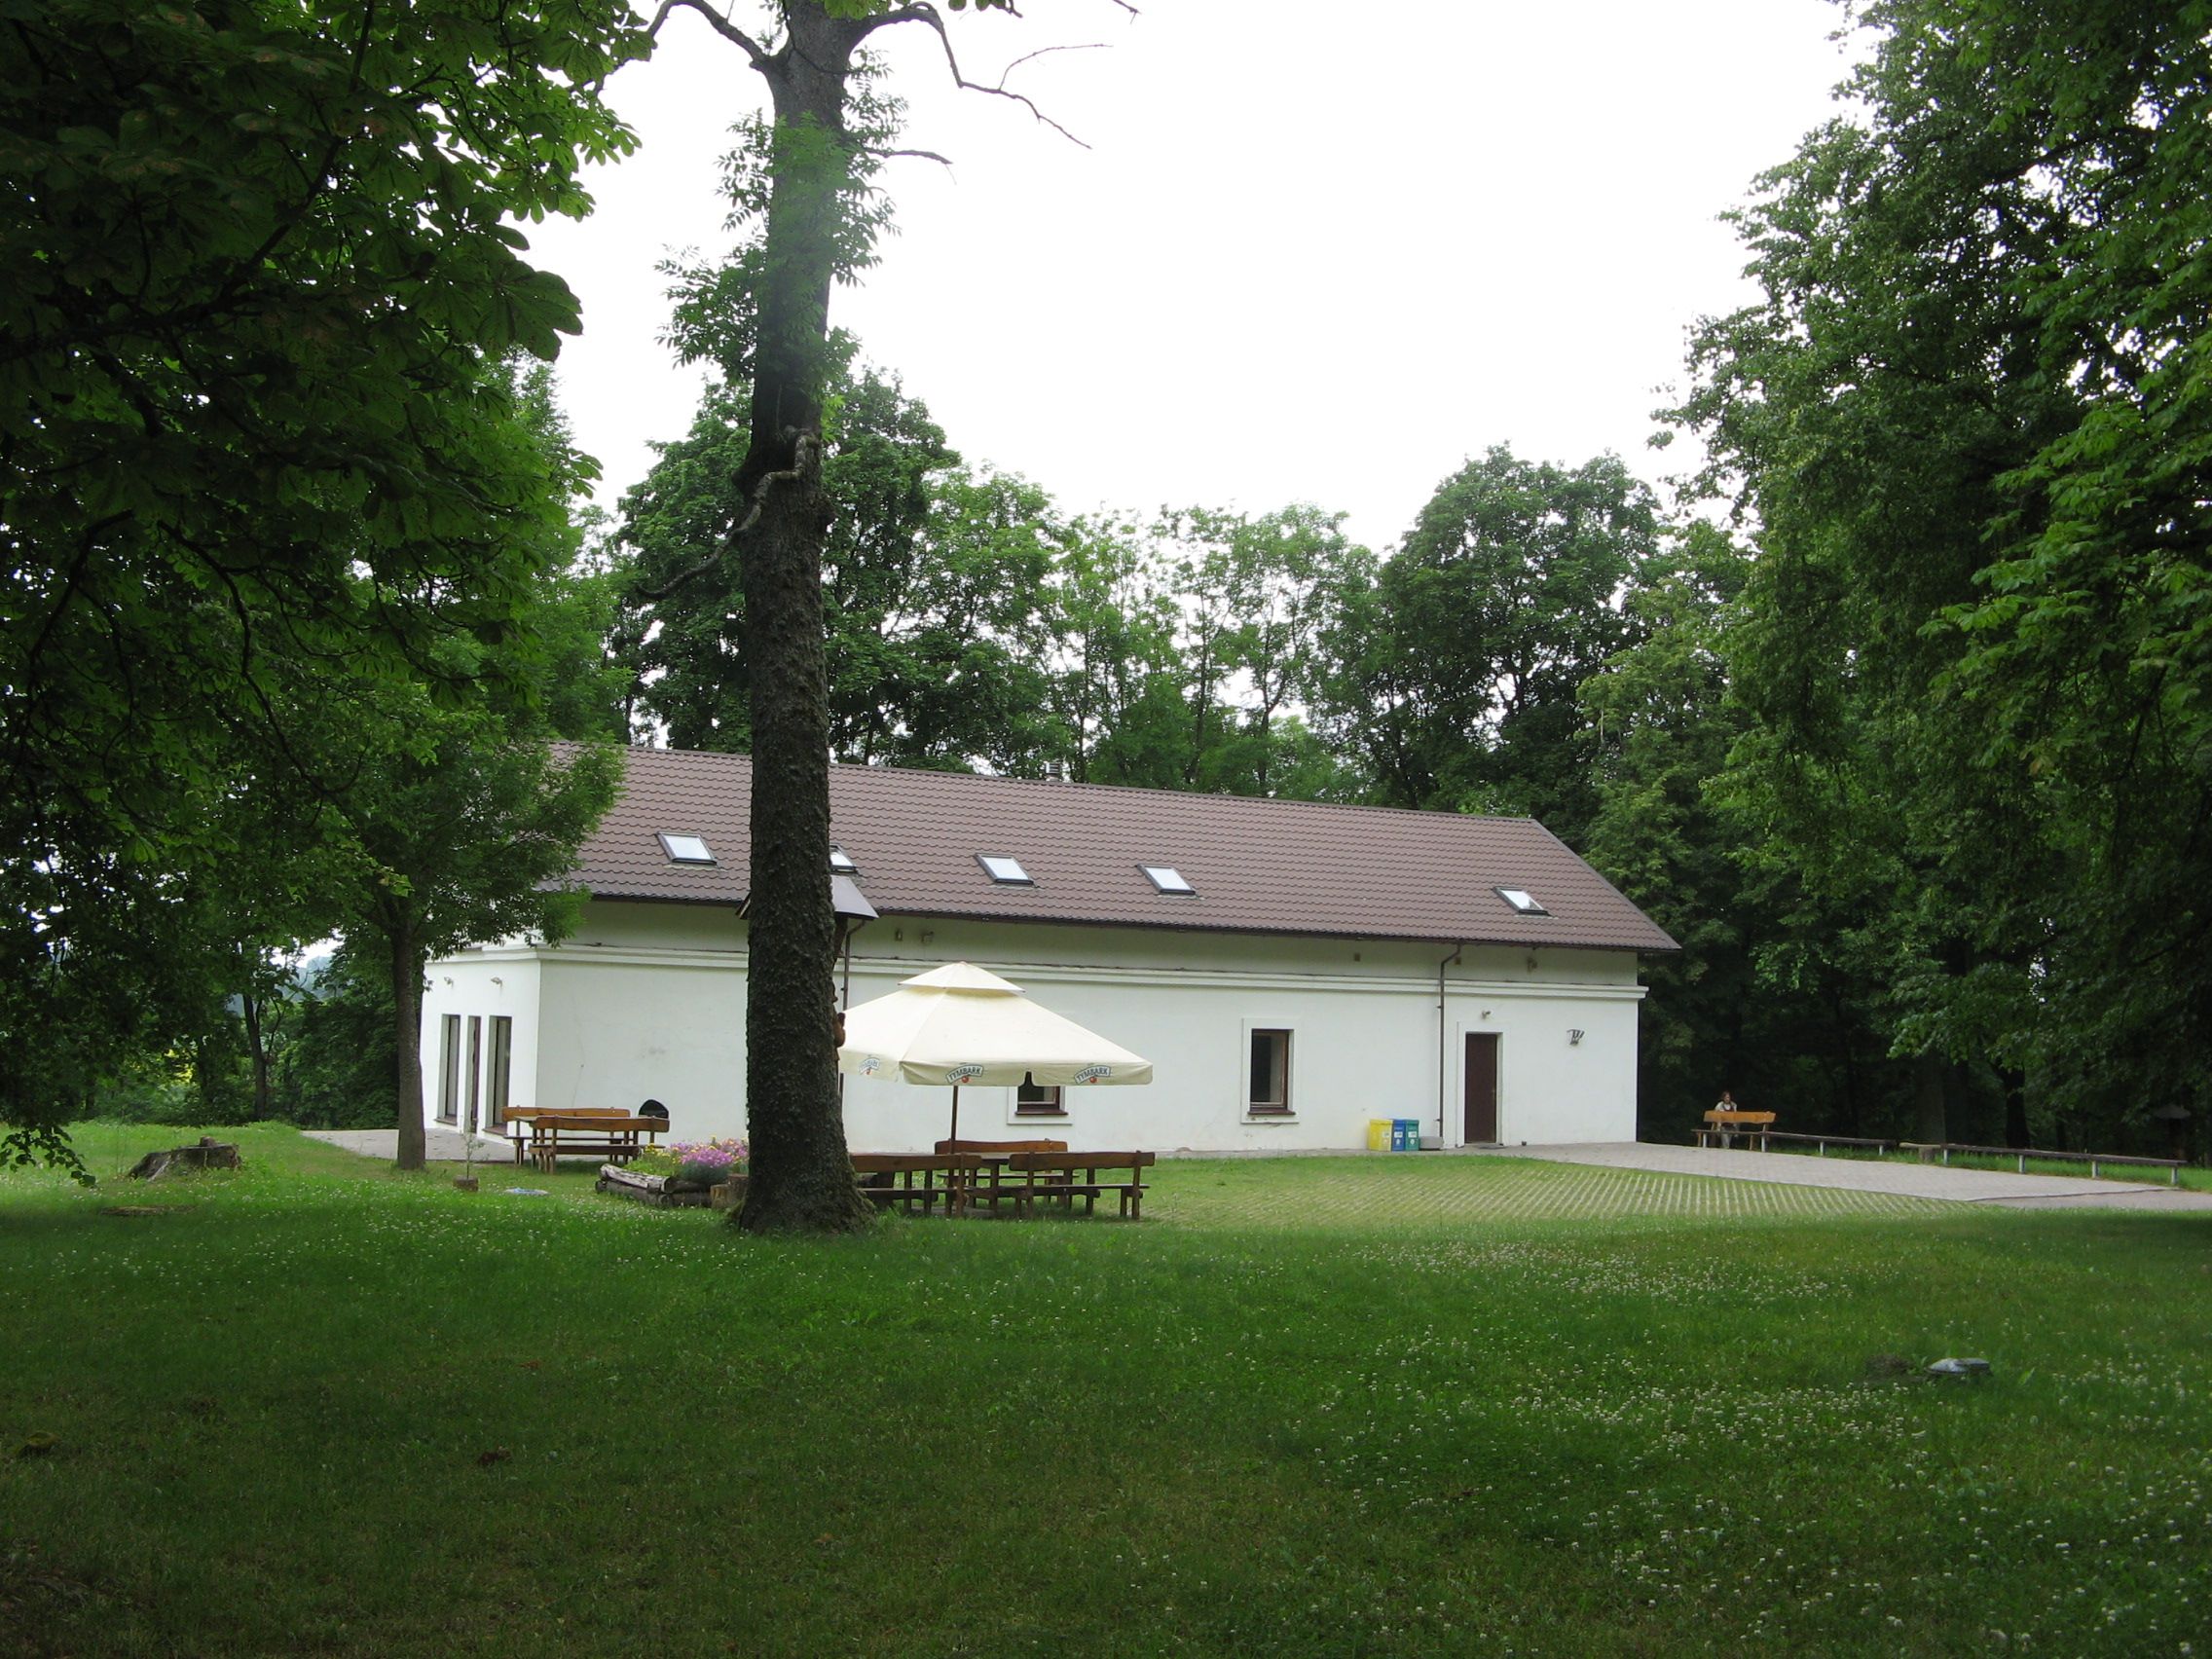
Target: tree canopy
260	265
1966	427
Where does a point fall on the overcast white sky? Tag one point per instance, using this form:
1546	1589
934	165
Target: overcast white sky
1317	252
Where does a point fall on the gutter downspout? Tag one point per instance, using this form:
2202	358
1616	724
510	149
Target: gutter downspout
845	932
1442	1038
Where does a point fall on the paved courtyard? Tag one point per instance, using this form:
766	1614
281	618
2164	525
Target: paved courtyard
1840	1175
1870	1175
440	1146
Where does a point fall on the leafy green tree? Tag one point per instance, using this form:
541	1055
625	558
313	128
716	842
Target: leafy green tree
1115	675
453	820
463	834
1757	1001
337	1067
1455	672
256	258
807	196
933	581
1252	597
1965	419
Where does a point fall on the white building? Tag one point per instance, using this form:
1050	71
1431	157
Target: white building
1292	970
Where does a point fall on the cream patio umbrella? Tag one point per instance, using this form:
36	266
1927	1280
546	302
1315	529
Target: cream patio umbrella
960	1024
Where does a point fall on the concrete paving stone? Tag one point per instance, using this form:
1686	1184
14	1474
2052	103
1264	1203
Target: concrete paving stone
1779	1168
1872	1175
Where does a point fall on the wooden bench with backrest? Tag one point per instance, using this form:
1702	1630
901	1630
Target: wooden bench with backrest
922	1181
994	1184
605	1134
1725	1125
1062	1177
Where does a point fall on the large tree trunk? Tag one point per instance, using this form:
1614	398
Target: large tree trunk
2015	1082
801	1175
1929	1120
257	1048
407	1018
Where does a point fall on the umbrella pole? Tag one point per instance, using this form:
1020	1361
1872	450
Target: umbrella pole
955	1135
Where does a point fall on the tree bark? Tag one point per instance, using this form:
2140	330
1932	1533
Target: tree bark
2015	1082
406	1017
1929	1116
257	1048
801	1173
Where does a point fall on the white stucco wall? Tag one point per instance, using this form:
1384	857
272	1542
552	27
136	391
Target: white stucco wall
648	1001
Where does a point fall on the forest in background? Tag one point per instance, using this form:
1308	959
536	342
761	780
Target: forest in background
1892	711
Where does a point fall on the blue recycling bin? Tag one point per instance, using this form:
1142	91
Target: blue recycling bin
1405	1134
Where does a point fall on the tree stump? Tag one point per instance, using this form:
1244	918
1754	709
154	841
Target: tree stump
207	1152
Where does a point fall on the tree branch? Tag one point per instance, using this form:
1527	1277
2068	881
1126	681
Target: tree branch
928	13
892	155
654	595
720	25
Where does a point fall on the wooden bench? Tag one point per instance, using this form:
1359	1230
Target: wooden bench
922	1181
1062	1177
993	1186
1725	1125
612	1136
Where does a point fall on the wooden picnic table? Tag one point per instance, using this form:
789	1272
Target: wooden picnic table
612	1134
962	1176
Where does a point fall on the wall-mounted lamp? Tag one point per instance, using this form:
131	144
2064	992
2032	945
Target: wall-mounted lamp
447	978
497	981
1573	1037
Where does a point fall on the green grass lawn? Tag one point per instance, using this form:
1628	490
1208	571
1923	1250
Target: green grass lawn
1314	1406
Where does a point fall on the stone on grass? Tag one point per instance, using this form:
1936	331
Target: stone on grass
1960	1368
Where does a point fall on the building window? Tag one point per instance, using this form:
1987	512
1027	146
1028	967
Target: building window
1522	899
495	1085
449	1069
1003	870
1270	1090
1166	878
841	861
1034	1099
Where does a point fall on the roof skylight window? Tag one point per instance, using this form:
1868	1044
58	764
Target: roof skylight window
1522	901
1166	878
841	861
1006	871
685	849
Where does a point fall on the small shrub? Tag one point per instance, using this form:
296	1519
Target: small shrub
709	1161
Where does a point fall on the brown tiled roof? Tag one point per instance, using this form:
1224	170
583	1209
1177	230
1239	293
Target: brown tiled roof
1258	866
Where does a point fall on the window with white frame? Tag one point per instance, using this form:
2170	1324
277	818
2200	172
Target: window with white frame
449	1069
1268	1076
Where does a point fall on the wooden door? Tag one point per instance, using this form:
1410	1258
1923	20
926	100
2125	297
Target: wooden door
1478	1079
